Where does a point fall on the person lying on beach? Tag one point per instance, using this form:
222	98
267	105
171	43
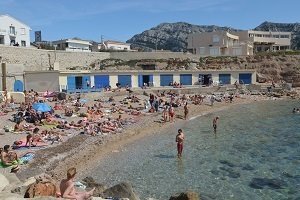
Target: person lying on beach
18	127
67	187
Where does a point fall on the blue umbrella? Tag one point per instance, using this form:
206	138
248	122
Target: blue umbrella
42	107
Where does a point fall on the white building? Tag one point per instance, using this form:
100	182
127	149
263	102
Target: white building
115	45
14	32
74	44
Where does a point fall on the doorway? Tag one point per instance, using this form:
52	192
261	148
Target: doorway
78	82
205	79
146	79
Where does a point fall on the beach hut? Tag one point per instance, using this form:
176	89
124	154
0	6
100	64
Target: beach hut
166	79
186	79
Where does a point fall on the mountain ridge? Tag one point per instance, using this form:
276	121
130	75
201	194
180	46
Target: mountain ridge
173	36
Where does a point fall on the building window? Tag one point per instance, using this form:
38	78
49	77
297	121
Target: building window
214	51
12	30
23	31
23	43
216	38
202	50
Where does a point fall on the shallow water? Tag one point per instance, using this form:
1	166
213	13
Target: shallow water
254	155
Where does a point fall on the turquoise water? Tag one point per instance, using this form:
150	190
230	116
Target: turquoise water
254	155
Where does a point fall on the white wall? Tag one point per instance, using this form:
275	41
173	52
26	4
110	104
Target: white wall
22	31
42	81
118	46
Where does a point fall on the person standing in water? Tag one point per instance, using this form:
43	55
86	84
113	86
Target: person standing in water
215	121
179	140
186	111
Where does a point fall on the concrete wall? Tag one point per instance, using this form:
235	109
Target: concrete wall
151	55
37	59
13	72
42	81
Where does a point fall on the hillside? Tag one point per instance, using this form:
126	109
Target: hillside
173	36
170	36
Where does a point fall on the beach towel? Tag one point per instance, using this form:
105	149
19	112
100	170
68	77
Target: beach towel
15	163
27	157
21	143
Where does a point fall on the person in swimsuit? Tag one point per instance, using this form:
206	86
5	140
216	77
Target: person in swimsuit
67	188
171	113
186	111
179	140
215	121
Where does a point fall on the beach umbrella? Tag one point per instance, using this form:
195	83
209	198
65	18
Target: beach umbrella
42	107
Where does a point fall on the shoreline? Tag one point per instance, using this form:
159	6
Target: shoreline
84	152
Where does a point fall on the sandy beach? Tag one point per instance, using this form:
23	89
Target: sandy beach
84	151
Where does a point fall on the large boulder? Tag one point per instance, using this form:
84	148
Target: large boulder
89	182
44	186
189	195
3	182
122	190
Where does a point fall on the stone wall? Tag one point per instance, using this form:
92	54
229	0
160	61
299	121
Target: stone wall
151	55
37	59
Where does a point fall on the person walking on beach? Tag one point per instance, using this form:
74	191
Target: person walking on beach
186	111
215	121
171	113
179	140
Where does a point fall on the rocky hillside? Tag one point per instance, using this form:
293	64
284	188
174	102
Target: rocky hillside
170	36
276	67
173	36
284	27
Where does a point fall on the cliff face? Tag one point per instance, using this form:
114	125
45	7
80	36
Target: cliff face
170	36
284	27
268	67
173	36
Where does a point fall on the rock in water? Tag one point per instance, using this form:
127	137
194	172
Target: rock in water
260	183
189	195
122	190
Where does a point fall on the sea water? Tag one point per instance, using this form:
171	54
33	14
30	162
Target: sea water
255	154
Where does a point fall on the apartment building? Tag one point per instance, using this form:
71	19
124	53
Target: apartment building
14	32
73	44
114	45
223	43
218	43
266	41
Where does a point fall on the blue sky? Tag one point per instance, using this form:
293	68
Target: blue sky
121	19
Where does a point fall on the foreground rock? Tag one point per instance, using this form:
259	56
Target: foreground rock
44	186
189	195
122	190
89	182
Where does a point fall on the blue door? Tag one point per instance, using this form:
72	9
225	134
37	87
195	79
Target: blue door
151	80
71	83
124	80
245	78
101	81
18	86
140	77
186	79
225	78
166	79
